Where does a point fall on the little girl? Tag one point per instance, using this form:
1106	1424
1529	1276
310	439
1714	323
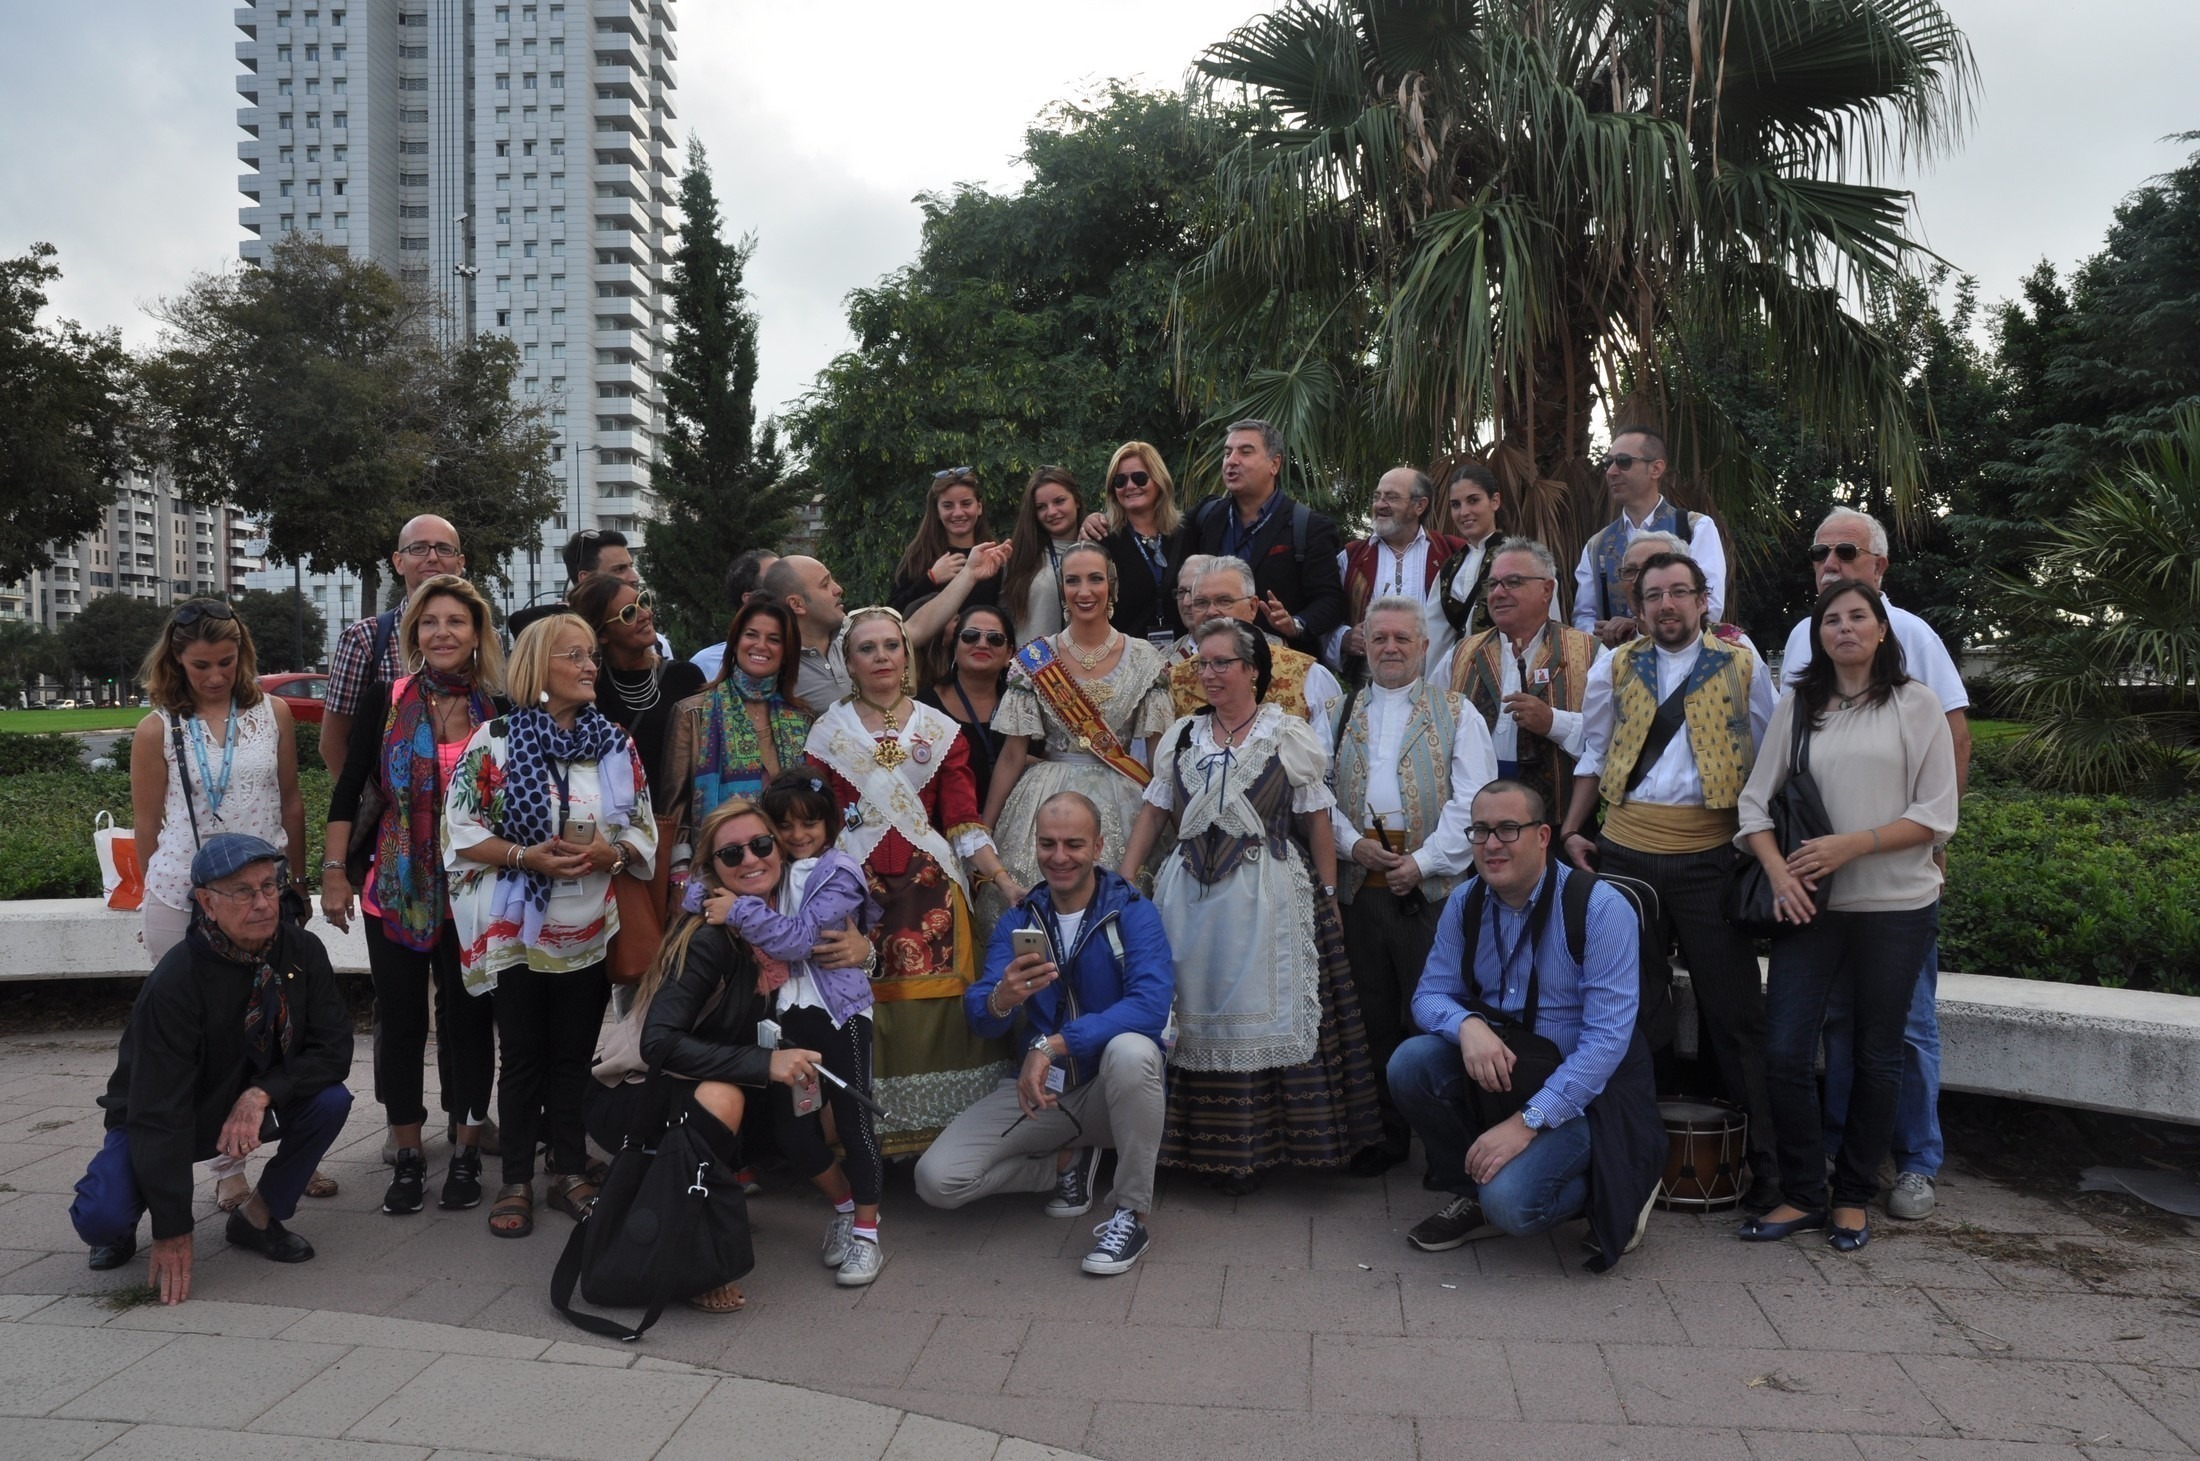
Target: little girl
826	1010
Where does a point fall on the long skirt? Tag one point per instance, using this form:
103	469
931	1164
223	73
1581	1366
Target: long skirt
927	1064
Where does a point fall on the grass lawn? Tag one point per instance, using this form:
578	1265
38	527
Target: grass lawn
1983	731
44	722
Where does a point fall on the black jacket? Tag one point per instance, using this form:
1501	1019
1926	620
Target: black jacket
719	1045
1309	585
1142	606
183	1061
1627	1152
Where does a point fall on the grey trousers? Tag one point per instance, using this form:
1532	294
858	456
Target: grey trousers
989	1148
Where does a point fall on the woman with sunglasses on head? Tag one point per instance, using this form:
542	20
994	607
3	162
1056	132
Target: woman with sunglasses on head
900	771
547	806
1046	527
953	549
1147	538
638	687
406	738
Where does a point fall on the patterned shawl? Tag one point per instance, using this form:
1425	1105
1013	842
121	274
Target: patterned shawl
531	805
408	862
729	760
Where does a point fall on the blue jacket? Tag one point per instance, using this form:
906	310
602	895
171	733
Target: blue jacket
1098	996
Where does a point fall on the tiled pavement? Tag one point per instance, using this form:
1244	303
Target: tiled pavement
1291	1323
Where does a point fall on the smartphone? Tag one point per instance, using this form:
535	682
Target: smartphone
767	1034
1029	941
808	1095
579	832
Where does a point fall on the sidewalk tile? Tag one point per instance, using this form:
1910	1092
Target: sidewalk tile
1428	1377
2035	1400
1014	1449
37	1220
1275	1235
1185	1295
1314	1300
55	1440
601	1355
80	1311
1562	1382
22	1306
53	1171
209	1316
1722	1315
176	1443
204	1380
1891	1448
2170	1396
1714	1256
988	1286
921	1438
338	1398
1170	1366
512	1406
452	1300
1054	1420
968	1354
42	1368
1897	1256
1199	1433
1377	1240
1770	1390
387	1333
1536	1256
1476	1440
1598	1311
1875	1320
13	1258
762	1419
2101	1328
63	1272
1812	1445
792	1347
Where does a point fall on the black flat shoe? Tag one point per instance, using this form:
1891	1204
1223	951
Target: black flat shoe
273	1241
113	1255
1848	1240
1373	1161
1760	1230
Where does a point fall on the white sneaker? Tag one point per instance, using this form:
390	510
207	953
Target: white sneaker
861	1265
1911	1197
839	1233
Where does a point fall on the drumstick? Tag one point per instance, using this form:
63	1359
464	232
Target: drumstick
861	1098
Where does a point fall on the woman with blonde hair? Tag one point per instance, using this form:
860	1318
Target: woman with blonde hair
1046	528
1147	538
406	739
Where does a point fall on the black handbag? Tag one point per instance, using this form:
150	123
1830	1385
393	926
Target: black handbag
1798	814
1536	1058
669	1221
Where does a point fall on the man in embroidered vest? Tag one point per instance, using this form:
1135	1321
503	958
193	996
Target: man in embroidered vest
1635	474
1853	545
1409	759
1672	723
1400	556
1526	674
1300	684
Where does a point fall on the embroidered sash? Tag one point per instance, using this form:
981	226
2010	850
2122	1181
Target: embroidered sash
1074	708
889	796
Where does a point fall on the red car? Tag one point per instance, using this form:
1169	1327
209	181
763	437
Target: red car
303	693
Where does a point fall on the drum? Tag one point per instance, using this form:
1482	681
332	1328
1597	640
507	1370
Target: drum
1703	1166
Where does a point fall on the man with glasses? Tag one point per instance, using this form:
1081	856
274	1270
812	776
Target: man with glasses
1290	548
1398	557
1527	674
1634	473
1089	1014
1532	1088
367	652
1300	683
1852	546
240	1036
1672	722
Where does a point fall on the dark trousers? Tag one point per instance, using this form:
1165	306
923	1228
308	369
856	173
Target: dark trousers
1388	949
1722	970
847	1053
1874	957
108	1204
547	1024
405	980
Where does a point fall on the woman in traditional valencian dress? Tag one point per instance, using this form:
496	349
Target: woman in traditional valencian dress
901	772
1271	1065
1094	694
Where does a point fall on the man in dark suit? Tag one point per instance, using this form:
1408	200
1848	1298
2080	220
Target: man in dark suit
1292	548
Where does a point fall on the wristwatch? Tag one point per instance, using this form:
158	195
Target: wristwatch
1532	1118
619	859
1042	1045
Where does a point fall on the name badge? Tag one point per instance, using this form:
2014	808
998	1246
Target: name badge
1057	1079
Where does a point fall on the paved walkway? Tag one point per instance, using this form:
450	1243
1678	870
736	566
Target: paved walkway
1293	1323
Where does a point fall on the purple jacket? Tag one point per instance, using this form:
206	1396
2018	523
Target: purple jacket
836	891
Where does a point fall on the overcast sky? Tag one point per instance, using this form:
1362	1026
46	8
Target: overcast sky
119	124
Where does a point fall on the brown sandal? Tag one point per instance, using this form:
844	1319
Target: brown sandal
515	1207
725	1299
321	1185
574	1194
232	1192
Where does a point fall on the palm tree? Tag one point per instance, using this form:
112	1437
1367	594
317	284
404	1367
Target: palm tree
1472	226
2104	649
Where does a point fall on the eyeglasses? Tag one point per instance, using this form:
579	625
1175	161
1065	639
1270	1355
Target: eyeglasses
1216	666
1135	479
1846	552
953	472
1217	605
761	845
189	614
1481	832
1629	572
1652	596
1622	461
260	893
1513	583
576	657
993	637
645	602
420	552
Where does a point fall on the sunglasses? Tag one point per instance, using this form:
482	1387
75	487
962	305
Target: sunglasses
189	614
1623	461
1135	479
762	845
953	472
993	637
1846	552
645	602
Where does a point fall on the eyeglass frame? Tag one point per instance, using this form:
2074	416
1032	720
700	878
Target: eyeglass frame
1497	830
1625	461
1214	606
420	552
991	637
645	602
184	615
251	896
1117	482
1678	594
1846	552
1217	666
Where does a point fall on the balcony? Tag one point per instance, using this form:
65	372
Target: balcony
630	181
631	342
621	215
621	479
621	14
246	19
248	54
249	119
629	279
614	115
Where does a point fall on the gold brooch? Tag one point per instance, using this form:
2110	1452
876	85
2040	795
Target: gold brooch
889	753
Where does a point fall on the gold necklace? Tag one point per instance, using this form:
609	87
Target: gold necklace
887	753
1078	654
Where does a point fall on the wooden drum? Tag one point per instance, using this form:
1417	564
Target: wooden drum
1709	1141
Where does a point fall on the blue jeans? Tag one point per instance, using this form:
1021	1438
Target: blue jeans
107	1206
1540	1188
1917	1143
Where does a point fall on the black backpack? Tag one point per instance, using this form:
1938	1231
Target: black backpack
1654	1014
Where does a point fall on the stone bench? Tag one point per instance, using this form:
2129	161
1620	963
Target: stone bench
80	938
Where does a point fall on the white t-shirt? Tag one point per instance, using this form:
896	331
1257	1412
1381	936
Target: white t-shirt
1069	923
1924	657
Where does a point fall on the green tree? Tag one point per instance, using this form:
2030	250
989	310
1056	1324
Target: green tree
1032	328
107	640
718	477
1476	225
27	651
273	621
65	419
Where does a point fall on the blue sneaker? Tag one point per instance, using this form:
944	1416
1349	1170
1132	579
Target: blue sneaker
1123	1241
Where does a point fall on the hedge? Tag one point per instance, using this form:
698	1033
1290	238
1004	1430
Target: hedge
20	754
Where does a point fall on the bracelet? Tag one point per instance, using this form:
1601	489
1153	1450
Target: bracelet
980	880
990	1007
332	865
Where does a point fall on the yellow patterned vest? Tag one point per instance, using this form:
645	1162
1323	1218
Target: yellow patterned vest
1286	682
1716	699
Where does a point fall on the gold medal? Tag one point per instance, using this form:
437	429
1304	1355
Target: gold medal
889	753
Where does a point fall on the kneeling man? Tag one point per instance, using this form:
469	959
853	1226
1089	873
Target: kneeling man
1092	1008
1532	1090
240	1036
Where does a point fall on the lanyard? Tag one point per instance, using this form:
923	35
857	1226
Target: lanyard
215	790
561	776
1238	538
1157	562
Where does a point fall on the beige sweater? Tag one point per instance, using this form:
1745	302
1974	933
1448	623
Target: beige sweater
1874	765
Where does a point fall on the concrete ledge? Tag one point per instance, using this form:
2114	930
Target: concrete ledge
79	938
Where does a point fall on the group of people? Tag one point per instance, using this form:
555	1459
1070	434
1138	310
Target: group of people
1199	836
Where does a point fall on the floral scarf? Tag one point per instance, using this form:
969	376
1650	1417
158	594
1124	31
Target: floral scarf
729	760
408	863
531	804
267	1012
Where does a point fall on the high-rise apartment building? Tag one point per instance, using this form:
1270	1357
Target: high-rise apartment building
516	156
151	545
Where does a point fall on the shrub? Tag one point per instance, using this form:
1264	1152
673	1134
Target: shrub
20	754
307	734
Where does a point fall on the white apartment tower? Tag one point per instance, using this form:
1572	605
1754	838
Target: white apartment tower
517	157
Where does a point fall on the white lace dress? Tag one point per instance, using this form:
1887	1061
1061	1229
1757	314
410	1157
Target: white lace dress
252	805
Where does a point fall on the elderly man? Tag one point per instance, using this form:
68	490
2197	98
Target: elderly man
810	593
1299	683
367	651
1634	472
1409	759
1853	545
1532	1088
1526	674
1089	1013
1399	556
1291	548
240	1036
1672	722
